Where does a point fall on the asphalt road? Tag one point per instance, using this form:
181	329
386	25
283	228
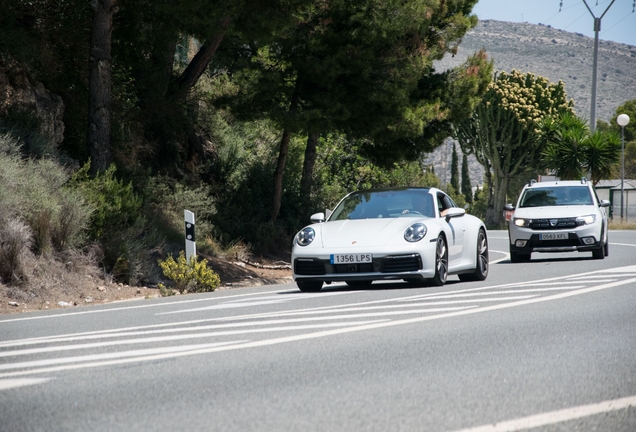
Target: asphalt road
549	345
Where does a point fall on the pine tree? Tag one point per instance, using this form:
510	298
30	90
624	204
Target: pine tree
455	170
467	188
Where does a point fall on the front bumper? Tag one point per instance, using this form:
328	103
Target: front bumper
525	241
404	266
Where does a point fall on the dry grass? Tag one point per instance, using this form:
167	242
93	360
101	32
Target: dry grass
622	225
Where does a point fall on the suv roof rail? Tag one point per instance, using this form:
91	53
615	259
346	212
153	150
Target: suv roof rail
583	180
531	182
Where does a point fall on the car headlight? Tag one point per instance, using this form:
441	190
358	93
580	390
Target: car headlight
586	220
305	236
415	232
522	222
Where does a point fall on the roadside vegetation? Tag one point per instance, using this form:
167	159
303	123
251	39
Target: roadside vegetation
251	124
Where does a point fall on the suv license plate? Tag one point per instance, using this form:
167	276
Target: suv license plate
563	236
350	258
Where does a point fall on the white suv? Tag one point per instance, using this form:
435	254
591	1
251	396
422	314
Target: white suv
557	216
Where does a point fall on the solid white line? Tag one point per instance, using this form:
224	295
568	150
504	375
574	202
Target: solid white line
623	244
321	334
21	382
553	417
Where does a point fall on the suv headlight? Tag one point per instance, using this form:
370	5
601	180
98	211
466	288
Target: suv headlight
520	222
305	236
586	220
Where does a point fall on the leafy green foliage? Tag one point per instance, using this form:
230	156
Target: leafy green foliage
116	204
193	276
572	150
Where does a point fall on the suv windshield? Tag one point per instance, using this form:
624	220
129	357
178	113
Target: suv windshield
556	196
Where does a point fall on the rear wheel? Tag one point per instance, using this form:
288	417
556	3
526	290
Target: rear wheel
482	264
441	262
309	286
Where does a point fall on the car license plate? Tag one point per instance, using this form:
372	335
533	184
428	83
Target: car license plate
551	236
351	258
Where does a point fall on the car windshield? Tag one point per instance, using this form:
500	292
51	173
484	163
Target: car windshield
385	204
556	196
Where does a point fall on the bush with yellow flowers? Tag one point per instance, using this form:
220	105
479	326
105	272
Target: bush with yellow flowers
194	276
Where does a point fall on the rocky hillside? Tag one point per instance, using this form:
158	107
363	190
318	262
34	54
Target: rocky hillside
556	55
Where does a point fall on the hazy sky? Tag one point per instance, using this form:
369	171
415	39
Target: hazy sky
618	24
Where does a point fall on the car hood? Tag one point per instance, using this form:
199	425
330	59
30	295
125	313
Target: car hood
548	212
365	232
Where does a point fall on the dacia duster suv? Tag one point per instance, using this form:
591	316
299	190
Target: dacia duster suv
557	216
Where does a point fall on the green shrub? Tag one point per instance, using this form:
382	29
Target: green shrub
194	276
15	239
36	192
116	204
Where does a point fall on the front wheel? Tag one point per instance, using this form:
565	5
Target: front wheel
517	257
441	262
482	264
359	283
602	251
309	286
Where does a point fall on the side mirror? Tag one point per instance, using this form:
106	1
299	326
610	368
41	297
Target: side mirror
509	207
317	217
604	203
454	212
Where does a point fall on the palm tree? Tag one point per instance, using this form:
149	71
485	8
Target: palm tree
571	150
602	149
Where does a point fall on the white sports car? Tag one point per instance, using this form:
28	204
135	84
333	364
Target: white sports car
411	234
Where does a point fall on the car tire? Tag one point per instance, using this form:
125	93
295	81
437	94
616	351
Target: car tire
309	286
518	258
600	253
482	263
441	262
359	283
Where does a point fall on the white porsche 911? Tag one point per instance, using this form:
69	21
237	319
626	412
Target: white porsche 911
410	234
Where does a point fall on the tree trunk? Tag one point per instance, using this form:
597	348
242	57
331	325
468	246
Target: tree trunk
279	173
100	84
282	159
200	61
308	166
494	214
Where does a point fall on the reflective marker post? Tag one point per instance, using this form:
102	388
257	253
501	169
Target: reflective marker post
190	244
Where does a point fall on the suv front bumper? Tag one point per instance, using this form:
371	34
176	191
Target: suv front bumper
586	239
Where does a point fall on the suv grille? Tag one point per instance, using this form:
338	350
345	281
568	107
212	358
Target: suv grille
547	224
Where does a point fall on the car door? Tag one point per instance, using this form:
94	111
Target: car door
456	230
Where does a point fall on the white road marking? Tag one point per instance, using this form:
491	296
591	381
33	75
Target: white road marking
114	355
94	311
553	417
321	334
21	382
623	244
41	350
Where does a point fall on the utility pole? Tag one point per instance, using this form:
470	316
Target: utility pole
597	28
